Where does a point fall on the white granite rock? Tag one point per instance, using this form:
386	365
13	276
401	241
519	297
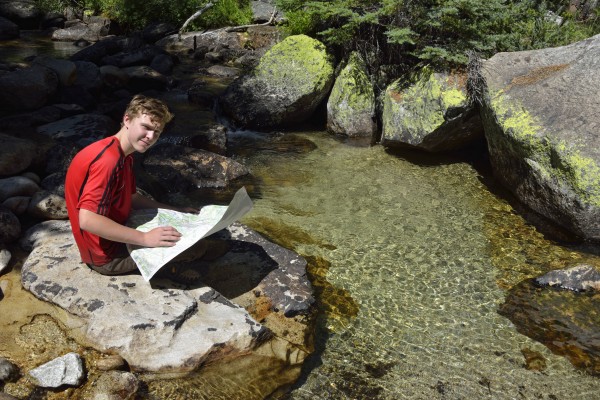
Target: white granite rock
65	370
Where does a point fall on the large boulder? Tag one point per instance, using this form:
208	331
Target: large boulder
540	113
351	104
27	88
8	29
25	13
80	126
431	112
286	87
162	327
183	169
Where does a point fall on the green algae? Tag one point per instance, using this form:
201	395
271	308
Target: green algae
352	94
556	160
297	62
421	108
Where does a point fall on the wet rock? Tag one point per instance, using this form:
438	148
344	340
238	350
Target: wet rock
565	321
8	370
351	104
10	226
15	154
28	88
80	126
17	186
182	169
115	385
47	205
4	260
286	87
110	362
432	114
65	370
8	29
579	278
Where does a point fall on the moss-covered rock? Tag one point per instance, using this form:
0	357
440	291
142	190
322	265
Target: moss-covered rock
286	87
351	104
541	121
430	111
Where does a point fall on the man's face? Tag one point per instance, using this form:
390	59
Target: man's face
143	132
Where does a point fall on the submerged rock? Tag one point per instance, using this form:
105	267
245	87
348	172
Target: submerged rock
540	114
565	321
159	326
115	385
65	370
579	278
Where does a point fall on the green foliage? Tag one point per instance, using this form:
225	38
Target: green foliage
438	32
136	14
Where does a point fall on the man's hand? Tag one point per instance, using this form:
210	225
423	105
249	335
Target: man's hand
163	236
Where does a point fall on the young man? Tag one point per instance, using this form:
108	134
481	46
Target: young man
100	192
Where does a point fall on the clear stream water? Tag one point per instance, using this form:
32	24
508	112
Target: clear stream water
410	257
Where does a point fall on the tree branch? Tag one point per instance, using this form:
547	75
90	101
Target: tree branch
244	27
193	17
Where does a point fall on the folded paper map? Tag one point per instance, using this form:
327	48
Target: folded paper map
192	227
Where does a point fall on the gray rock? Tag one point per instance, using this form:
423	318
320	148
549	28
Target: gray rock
286	87
154	32
65	370
541	121
17	186
32	176
8	370
162	63
182	169
80	126
17	204
223	71
115	385
143	78
5	257
41	116
24	13
113	77
579	278
15	154
65	70
263	10
163	327
88	75
55	183
47	205
351	104
432	114
28	88
10	226
141	56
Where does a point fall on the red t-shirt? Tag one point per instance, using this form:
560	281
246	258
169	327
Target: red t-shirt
100	179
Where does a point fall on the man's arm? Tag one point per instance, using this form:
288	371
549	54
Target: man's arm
139	202
162	236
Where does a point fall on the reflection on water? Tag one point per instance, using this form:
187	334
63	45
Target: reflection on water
33	43
417	255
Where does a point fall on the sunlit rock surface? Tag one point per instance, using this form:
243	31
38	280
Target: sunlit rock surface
541	122
167	328
286	87
431	112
